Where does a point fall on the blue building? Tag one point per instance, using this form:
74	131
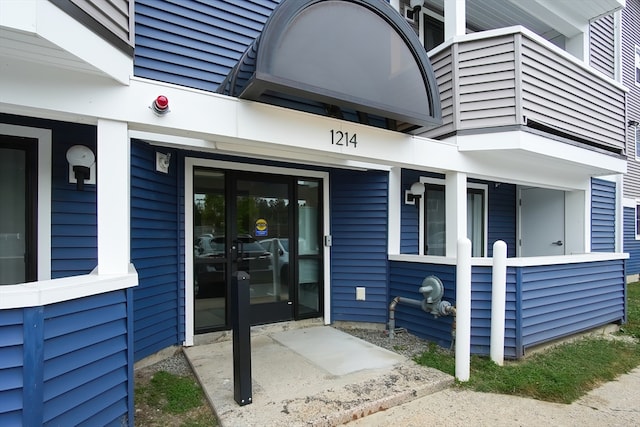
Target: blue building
336	150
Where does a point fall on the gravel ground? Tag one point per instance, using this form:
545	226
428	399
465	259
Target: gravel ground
176	364
403	342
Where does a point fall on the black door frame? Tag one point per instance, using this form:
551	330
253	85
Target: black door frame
293	177
268	312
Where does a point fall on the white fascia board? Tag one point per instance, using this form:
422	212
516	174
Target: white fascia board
19	15
44	292
44	20
208	121
518	141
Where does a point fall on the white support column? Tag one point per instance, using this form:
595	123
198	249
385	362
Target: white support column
455	20
578	45
617	45
395	205
463	310
456	209
619	224
113	167
498	301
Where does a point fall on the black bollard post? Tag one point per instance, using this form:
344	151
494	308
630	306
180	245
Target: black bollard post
241	338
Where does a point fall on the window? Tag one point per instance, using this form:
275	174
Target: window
637	62
433	32
18	240
637	221
475	220
434	219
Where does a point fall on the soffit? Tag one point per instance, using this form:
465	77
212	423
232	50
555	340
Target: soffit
548	18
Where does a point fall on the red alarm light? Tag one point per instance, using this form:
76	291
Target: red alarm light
160	105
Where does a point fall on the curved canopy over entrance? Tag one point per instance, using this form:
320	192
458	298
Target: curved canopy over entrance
341	58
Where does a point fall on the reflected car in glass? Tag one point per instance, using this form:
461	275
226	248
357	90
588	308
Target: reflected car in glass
211	263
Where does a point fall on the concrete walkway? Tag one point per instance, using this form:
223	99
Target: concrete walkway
320	376
316	376
614	404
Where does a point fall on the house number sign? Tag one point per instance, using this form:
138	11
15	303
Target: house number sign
344	139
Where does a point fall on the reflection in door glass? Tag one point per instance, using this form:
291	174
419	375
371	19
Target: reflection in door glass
210	261
309	259
262	223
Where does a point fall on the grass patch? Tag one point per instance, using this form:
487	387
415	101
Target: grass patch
172	393
560	374
163	399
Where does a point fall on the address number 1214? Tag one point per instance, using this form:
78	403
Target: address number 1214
343	138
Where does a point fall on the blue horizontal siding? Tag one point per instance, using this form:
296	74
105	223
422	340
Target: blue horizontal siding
154	252
502	202
11	366
359	224
67	363
561	300
631	244
194	43
603	215
85	356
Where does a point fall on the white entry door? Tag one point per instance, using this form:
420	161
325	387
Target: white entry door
542	219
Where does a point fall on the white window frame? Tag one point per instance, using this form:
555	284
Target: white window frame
636	141
44	192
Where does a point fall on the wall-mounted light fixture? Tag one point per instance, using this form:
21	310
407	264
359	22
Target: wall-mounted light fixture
411	12
160	105
163	161
633	123
82	163
414	193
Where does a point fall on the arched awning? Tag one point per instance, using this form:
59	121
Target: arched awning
340	56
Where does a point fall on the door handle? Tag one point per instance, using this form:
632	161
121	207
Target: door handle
558	243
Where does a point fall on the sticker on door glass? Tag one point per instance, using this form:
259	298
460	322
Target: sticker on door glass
262	228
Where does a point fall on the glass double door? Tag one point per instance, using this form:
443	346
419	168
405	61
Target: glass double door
265	225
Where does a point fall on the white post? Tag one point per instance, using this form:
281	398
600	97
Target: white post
455	21
455	209
498	301
113	197
463	310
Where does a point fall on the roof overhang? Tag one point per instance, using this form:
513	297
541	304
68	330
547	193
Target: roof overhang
526	152
353	55
564	16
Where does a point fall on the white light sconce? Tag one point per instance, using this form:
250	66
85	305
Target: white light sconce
160	105
163	161
415	193
82	166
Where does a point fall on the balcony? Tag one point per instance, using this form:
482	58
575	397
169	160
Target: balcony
513	79
97	40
